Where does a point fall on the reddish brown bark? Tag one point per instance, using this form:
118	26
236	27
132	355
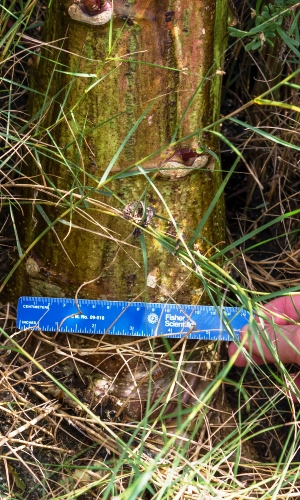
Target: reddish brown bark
162	52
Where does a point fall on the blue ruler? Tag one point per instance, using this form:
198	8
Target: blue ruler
130	318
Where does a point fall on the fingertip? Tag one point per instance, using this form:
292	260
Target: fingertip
232	349
240	359
243	331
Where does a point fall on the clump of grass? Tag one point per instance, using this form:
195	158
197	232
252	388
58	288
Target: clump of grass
54	445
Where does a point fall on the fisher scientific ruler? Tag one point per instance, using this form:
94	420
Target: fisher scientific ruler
138	319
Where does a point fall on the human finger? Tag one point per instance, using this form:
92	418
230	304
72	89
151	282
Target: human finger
283	310
282	342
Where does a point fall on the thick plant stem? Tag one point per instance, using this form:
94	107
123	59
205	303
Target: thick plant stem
123	108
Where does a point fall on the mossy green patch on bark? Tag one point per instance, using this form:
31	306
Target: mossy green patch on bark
90	117
91	248
186	21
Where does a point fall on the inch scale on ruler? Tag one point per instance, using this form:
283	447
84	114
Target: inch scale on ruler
130	318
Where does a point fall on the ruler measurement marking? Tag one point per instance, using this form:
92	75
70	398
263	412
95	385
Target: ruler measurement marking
130	318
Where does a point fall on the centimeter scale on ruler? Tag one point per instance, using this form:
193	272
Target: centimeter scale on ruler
130	318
